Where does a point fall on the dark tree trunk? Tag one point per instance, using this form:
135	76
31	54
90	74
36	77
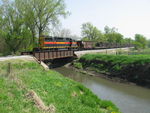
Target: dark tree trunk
33	38
40	33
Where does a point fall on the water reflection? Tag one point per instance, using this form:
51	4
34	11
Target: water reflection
129	98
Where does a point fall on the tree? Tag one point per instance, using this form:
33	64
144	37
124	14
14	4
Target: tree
140	41
110	30
112	35
13	29
26	10
127	41
90	32
2	45
21	21
148	43
118	38
43	13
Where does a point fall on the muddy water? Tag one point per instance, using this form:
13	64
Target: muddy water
129	98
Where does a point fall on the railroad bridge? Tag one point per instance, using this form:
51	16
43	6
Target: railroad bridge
50	55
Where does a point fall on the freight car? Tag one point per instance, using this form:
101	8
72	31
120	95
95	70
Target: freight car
100	45
86	45
59	43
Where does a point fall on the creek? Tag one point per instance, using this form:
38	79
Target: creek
128	98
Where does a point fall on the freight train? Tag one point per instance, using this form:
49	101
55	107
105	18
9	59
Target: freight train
59	43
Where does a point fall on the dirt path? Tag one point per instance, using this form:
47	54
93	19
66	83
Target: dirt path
24	57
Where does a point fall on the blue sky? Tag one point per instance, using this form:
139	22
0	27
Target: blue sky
129	16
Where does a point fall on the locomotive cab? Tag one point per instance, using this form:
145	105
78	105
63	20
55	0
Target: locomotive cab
56	43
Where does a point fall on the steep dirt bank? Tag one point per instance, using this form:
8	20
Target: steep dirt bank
134	68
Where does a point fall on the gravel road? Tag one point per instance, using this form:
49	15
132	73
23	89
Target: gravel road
24	57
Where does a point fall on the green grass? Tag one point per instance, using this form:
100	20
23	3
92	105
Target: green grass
119	59
66	95
77	65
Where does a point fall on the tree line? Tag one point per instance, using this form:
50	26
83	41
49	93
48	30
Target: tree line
23	21
111	35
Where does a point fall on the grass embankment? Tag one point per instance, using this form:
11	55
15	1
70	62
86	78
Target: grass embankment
26	87
134	52
134	68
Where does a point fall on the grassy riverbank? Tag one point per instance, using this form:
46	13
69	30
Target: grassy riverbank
134	52
26	87
133	68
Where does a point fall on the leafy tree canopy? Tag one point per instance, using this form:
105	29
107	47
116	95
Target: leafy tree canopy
140	41
21	21
90	32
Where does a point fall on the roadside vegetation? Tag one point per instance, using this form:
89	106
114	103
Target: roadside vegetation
22	22
133	68
112	36
26	87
